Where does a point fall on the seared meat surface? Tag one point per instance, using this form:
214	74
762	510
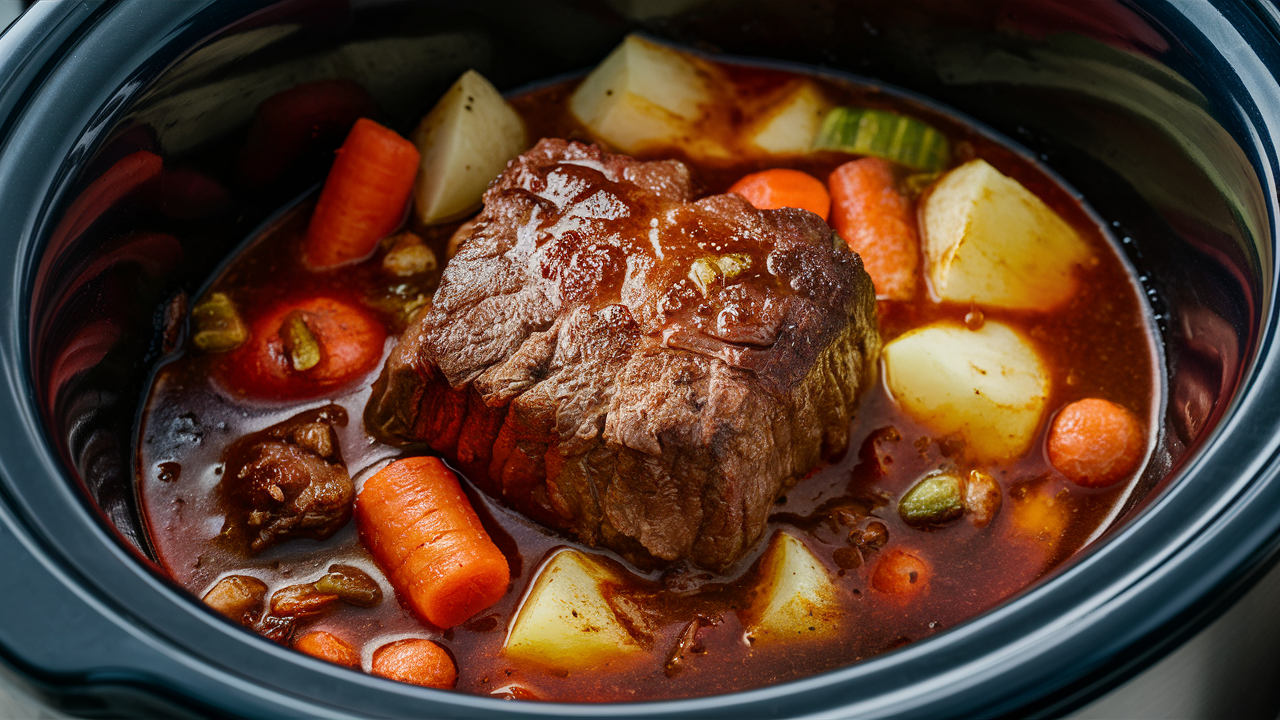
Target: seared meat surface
289	481
621	362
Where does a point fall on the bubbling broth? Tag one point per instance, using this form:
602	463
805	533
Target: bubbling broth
899	564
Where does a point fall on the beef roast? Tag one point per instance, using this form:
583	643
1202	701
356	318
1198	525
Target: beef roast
618	361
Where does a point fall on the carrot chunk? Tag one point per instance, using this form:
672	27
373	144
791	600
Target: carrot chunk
328	646
779	188
305	348
419	526
878	223
364	198
1095	442
901	573
416	661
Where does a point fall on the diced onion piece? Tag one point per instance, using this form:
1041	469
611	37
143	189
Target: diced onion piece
796	598
989	240
565	622
884	134
790	127
466	141
644	95
988	385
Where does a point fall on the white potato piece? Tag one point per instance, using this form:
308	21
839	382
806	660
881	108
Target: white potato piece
989	385
795	598
466	141
565	622
988	240
645	95
789	127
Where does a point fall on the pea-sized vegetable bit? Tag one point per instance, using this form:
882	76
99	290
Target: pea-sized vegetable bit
1095	442
785	188
417	661
989	385
934	500
327	646
218	327
466	141
988	240
795	598
364	197
902	573
884	134
790	126
565	622
982	498
878	223
424	534
306	348
645	95
239	597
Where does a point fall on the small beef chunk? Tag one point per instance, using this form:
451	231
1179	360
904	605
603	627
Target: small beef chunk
288	481
621	362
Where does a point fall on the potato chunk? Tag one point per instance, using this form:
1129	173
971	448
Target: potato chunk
565	622
644	95
790	127
796	598
988	385
466	141
989	240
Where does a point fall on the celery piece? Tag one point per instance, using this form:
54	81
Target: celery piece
302	346
218	327
884	134
935	499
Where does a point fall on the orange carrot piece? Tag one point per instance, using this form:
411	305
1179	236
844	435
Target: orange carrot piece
328	646
901	573
416	661
350	340
1095	442
364	198
422	530
779	188
878	223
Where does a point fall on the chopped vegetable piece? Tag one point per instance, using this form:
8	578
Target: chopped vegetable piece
300	601
218	325
239	597
466	141
795	599
425	536
415	661
704	272
879	224
645	95
1040	517
783	188
1095	442
352	584
565	621
328	646
408	256
302	348
364	196
982	498
901	573
349	341
884	134
989	240
989	385
791	126
933	501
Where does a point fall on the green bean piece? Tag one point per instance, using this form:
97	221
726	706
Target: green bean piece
934	500
884	134
218	327
351	584
302	346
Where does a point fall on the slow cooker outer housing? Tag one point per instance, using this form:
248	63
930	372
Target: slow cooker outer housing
90	622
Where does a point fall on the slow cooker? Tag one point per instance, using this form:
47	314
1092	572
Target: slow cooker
1164	114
